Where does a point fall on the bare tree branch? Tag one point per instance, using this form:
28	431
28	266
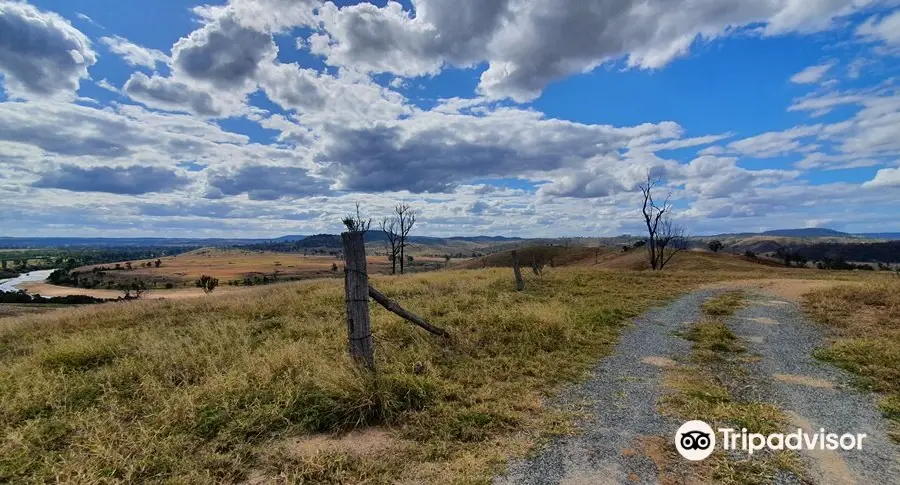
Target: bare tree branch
390	227
664	238
406	219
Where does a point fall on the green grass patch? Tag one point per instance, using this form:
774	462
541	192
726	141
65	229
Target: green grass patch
724	305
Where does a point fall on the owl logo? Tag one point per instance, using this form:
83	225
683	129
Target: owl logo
695	440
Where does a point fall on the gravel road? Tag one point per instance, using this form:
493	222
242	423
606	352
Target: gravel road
816	394
620	399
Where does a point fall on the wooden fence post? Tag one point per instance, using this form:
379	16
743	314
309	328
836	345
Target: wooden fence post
520	283
356	296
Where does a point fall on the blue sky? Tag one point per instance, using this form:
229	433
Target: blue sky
504	117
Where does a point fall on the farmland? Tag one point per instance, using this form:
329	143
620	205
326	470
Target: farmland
229	389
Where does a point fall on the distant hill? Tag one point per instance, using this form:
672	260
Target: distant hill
807	232
810	232
88	242
290	238
890	236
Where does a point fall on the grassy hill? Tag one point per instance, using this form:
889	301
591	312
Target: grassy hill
615	258
241	386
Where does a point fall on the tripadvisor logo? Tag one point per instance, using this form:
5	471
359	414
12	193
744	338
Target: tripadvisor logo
696	440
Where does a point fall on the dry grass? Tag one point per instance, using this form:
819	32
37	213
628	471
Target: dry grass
202	390
207	390
866	323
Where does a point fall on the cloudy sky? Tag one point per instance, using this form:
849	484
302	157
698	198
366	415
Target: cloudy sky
260	118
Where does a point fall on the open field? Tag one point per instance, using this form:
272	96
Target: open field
865	323
227	265
225	389
45	289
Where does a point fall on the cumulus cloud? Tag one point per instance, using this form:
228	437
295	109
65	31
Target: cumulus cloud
531	43
434	152
134	180
134	54
224	54
320	98
41	54
812	74
169	94
886	177
264	182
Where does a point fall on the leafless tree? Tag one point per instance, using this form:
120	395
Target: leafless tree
665	238
389	225
406	219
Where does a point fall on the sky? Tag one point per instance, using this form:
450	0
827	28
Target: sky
260	118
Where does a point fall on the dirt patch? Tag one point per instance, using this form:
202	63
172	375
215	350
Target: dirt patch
830	466
804	381
789	289
363	442
763	320
673	470
753	338
662	362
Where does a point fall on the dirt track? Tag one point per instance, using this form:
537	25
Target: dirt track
625	439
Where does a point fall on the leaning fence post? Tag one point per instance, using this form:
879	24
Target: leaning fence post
356	295
520	283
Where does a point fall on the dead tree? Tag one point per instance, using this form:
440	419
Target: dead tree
406	219
665	238
389	227
671	240
520	283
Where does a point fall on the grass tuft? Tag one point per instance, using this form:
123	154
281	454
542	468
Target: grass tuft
724	305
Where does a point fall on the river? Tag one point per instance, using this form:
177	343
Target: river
13	283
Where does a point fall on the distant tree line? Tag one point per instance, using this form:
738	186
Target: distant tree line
22	297
884	252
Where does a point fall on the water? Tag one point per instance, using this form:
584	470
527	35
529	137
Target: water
13	283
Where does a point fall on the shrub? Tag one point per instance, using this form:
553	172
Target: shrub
207	283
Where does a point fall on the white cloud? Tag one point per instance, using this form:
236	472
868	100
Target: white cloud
134	54
885	29
529	43
775	143
886	177
168	94
812	74
41	54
